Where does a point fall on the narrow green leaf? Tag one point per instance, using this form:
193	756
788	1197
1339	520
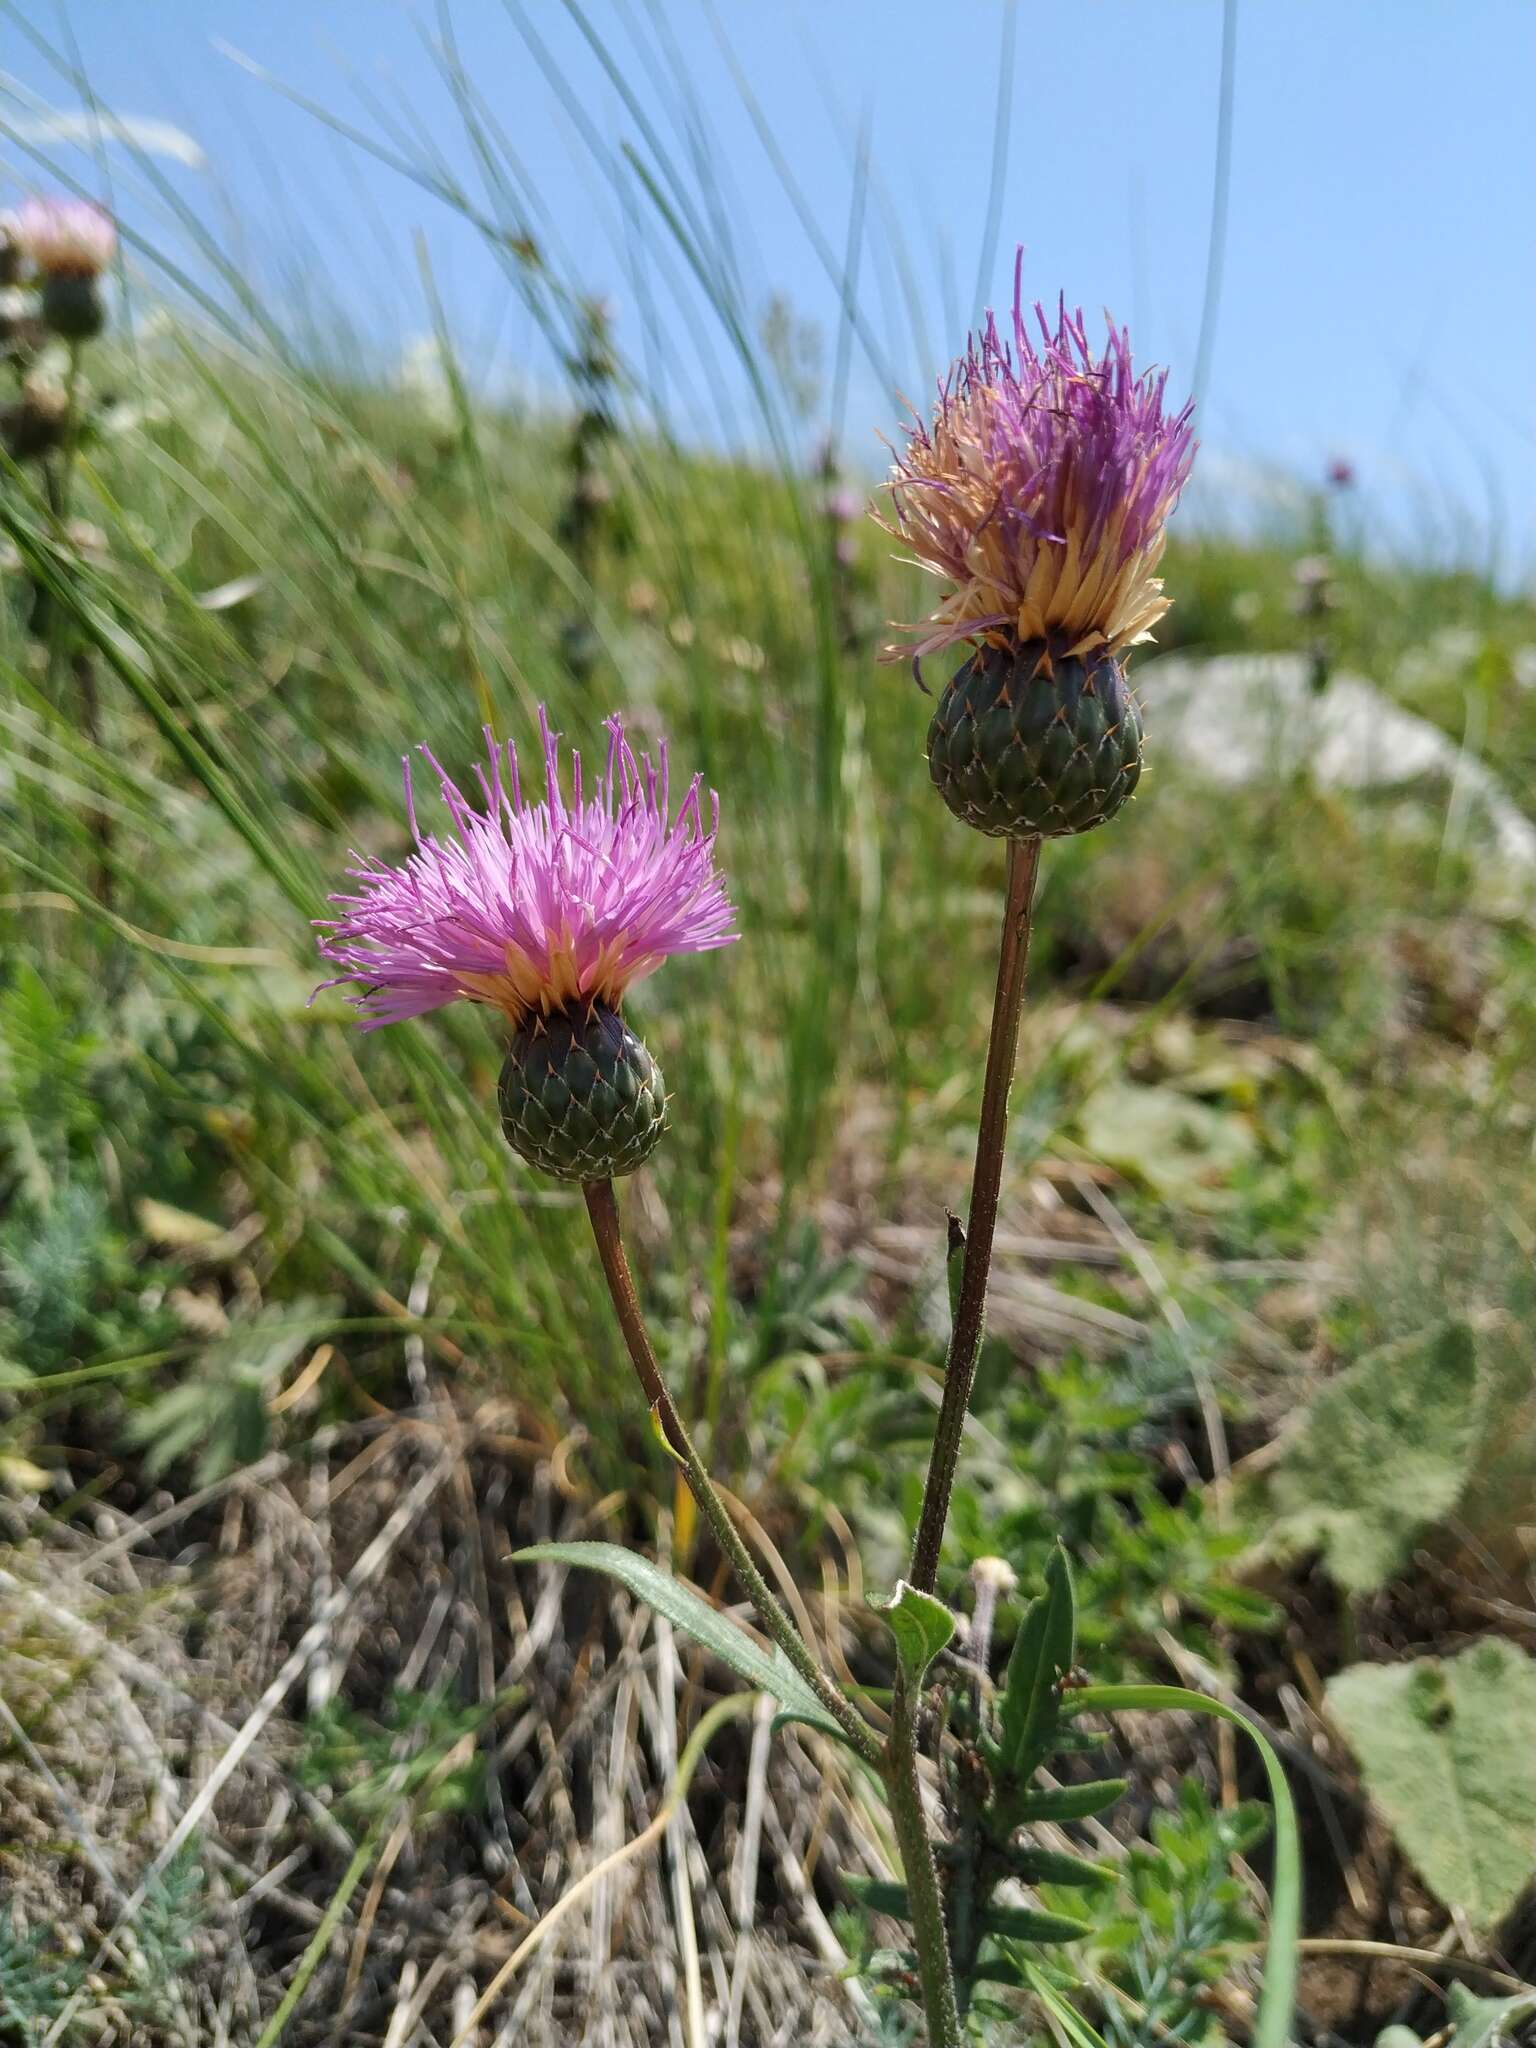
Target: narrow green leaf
1043	1654
954	1262
686	1608
1050	1866
878	1894
811	1715
921	1626
1029	1923
1071	2022
1069	1802
1277	1998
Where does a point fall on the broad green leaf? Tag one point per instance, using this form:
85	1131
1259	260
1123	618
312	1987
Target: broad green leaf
1277	1999
1029	1923
1383	1453
1487	2022
1183	1149
686	1608
920	1625
1448	1752
1042	1656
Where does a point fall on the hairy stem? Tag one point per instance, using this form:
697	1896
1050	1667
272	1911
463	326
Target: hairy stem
925	1901
604	1212
991	1144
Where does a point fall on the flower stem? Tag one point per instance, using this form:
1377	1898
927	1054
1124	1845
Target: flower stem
604	1212
986	1179
925	1901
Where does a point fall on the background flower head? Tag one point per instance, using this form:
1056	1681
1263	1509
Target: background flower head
532	906
1041	488
64	237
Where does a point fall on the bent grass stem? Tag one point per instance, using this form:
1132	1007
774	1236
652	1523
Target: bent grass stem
604	1212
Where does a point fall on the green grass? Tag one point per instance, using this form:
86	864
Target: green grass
1290	1035
407	587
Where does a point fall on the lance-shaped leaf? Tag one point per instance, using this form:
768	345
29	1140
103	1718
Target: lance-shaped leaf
1068	1802
1052	1866
1043	1654
687	1609
877	1894
1030	1923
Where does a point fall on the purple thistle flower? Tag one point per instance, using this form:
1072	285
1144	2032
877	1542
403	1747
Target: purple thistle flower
533	906
1041	489
63	237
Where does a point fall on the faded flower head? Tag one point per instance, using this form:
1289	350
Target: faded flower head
63	237
534	906
1040	490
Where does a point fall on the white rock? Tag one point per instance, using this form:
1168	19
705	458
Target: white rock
1241	717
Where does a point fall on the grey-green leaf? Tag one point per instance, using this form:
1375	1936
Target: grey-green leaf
1448	1751
686	1608
921	1626
1383	1453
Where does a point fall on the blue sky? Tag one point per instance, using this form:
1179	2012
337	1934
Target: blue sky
1379	290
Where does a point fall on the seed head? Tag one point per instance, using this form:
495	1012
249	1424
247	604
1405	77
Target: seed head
1040	490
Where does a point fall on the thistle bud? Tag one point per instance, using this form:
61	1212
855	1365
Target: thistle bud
581	1097
1026	743
73	307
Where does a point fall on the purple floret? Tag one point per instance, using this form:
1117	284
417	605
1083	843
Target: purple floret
534	905
1041	486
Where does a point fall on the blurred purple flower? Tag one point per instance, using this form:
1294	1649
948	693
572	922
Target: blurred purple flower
1341	473
534	905
63	237
1041	489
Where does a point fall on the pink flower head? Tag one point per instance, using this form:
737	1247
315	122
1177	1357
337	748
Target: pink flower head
1040	490
531	906
64	237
